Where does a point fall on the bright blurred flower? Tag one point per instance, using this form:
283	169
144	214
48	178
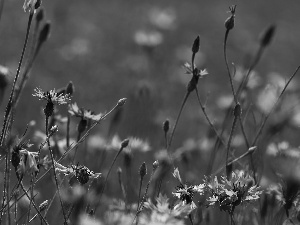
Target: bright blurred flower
267	98
163	18
148	38
135	144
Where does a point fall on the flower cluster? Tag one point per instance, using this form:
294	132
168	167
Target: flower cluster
229	193
52	95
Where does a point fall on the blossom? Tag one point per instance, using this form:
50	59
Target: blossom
229	193
31	5
82	173
52	96
84	114
189	70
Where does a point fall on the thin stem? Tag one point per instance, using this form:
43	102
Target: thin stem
208	119
273	108
106	178
9	104
177	119
229	143
140	189
68	130
54	172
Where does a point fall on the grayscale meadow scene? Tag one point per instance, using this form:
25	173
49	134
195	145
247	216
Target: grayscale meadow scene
161	112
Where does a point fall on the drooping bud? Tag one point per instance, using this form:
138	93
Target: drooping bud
143	170
166	126
45	32
267	36
125	143
196	45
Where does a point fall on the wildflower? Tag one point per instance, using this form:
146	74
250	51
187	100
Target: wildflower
53	96
186	192
230	193
82	173
229	23
84	114
189	70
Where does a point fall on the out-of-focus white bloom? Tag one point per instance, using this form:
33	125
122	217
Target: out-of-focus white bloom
163	18
148	38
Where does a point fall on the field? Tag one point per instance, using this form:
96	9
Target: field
138	112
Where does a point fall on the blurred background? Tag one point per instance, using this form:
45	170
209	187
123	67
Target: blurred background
135	49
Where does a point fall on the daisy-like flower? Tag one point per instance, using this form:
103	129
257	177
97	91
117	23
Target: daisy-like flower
228	194
186	192
82	173
53	96
82	113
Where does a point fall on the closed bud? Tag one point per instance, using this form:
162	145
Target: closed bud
267	36
143	170
196	45
40	15
155	165
125	143
229	23
237	110
166	126
43	205
82	126
44	34
252	149
122	102
70	89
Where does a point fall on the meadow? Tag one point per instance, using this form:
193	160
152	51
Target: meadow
149	113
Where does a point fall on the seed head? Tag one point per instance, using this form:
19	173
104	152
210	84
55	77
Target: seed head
143	170
196	45
267	36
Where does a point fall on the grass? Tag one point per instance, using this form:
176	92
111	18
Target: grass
68	174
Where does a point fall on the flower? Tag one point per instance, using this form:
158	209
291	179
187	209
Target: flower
230	193
189	70
31	5
82	173
186	192
52	96
84	114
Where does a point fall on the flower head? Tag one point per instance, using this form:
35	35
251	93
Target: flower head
230	193
84	114
52	96
31	5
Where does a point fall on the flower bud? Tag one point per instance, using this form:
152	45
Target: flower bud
143	170
267	36
166	126
122	101
43	205
40	15
70	89
44	33
237	110
125	143
196	45
229	23
155	165
82	126
37	4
